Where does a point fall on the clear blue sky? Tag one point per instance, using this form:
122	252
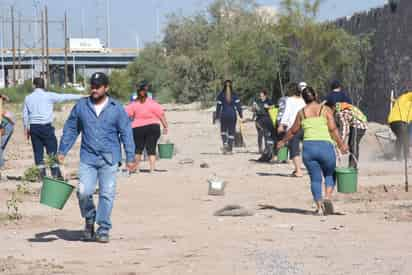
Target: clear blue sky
132	18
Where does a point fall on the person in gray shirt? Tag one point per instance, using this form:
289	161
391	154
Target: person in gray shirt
38	120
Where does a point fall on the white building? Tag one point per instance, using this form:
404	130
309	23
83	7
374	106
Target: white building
269	14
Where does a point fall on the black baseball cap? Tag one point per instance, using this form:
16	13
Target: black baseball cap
99	79
142	84
335	84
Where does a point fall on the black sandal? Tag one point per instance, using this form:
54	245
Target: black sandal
327	205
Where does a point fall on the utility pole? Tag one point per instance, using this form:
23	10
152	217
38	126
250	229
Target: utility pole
13	45
157	25
107	24
46	19
2	54
137	44
19	47
74	70
35	38
83	23
42	43
100	18
66	73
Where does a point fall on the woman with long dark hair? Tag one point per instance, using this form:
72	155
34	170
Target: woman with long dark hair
147	116
319	131
228	103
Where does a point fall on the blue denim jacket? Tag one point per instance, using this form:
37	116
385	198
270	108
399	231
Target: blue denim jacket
101	135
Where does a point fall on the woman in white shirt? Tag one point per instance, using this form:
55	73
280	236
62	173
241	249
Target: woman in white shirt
294	104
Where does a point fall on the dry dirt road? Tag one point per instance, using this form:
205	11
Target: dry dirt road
164	222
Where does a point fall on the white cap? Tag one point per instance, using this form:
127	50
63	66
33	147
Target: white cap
302	85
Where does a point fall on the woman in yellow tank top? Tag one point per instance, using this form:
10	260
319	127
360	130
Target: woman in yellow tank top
319	156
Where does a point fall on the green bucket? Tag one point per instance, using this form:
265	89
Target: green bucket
166	150
347	179
283	154
55	193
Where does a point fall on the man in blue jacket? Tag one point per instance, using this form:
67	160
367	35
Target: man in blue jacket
104	125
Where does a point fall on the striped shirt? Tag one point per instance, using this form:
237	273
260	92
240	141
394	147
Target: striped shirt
347	120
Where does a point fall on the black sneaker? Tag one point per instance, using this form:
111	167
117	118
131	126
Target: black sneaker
102	237
88	233
42	174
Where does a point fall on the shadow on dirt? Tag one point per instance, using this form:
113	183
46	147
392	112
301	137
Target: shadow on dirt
54	235
261	174
292	210
286	210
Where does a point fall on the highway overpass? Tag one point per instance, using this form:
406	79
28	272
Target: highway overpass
30	63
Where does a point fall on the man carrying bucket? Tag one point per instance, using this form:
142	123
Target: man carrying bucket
104	125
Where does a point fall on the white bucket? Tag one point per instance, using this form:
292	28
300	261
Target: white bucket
216	187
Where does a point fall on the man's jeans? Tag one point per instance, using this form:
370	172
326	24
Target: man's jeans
319	158
8	131
105	174
42	135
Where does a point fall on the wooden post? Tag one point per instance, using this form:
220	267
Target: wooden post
13	45
46	23
406	175
42	43
66	72
19	47
1	110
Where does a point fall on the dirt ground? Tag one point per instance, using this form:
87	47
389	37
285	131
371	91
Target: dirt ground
164	222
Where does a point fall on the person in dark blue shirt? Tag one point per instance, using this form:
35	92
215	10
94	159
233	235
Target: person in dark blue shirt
228	103
260	109
337	95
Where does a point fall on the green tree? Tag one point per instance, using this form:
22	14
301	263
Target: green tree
152	66
231	40
120	84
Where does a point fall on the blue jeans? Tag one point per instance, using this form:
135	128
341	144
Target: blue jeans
105	174
42	135
319	158
8	131
228	129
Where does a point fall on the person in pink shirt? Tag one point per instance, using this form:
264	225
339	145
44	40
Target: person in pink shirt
146	115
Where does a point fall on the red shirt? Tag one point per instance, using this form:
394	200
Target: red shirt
145	113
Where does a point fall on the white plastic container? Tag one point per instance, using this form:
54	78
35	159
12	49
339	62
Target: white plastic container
216	187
